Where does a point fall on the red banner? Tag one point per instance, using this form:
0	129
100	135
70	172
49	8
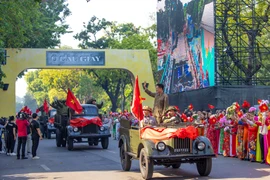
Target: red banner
82	122
167	133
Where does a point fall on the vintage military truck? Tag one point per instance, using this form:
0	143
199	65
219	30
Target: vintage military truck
169	152
79	128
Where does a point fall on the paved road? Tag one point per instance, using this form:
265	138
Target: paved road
94	163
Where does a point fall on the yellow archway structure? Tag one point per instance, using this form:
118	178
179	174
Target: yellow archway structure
137	62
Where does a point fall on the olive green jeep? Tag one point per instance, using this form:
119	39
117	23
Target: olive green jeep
171	152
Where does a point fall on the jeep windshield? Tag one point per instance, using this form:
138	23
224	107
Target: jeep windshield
88	111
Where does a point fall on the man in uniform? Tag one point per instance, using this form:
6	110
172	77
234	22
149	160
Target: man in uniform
161	101
148	120
172	116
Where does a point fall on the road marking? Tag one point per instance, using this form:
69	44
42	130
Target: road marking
45	167
111	151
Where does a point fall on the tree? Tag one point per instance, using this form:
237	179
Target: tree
117	36
30	102
32	24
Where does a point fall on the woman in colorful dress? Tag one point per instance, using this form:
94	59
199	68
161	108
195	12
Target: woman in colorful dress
242	138
211	133
252	134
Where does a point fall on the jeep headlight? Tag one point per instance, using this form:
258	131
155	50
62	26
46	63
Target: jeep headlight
75	129
102	128
160	146
201	146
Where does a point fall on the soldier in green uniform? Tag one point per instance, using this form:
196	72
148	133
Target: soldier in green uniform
171	116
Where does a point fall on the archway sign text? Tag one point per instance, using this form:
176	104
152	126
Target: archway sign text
75	58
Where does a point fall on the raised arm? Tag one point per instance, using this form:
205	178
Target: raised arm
150	93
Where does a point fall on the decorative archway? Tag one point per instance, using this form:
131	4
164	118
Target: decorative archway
137	62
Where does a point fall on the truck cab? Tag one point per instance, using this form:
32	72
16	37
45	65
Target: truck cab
85	127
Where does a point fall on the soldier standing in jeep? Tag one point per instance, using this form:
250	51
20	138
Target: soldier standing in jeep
161	101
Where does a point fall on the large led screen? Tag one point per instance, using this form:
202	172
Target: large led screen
185	30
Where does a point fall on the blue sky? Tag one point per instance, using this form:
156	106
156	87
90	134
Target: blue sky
122	11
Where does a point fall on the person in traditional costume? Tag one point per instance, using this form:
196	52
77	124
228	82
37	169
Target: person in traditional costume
171	115
221	126
211	133
242	132
252	134
263	123
148	119
242	137
229	146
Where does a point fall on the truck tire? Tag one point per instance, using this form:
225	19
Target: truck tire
204	166
96	141
146	165
70	144
105	143
176	166
49	134
125	159
58	138
64	143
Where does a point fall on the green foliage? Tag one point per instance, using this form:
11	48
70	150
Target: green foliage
116	83
30	102
32	24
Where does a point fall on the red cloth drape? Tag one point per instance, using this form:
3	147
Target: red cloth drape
167	133
82	122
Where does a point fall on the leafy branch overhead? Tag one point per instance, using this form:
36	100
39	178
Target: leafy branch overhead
103	34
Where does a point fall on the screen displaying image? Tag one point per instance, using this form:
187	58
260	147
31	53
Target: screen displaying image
185	44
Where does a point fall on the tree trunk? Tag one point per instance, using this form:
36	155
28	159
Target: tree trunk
114	103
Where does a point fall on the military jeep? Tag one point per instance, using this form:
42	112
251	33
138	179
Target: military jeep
171	152
92	134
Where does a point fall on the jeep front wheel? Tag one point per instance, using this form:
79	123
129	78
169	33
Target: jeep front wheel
125	159
105	143
70	144
204	166
146	165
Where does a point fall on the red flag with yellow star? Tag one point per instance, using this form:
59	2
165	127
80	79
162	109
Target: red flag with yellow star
136	108
45	106
73	103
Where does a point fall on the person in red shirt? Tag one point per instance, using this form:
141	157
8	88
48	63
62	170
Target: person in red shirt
22	125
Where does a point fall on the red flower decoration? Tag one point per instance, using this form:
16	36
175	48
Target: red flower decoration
190	107
237	106
240	114
184	117
212	120
246	105
259	101
263	108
